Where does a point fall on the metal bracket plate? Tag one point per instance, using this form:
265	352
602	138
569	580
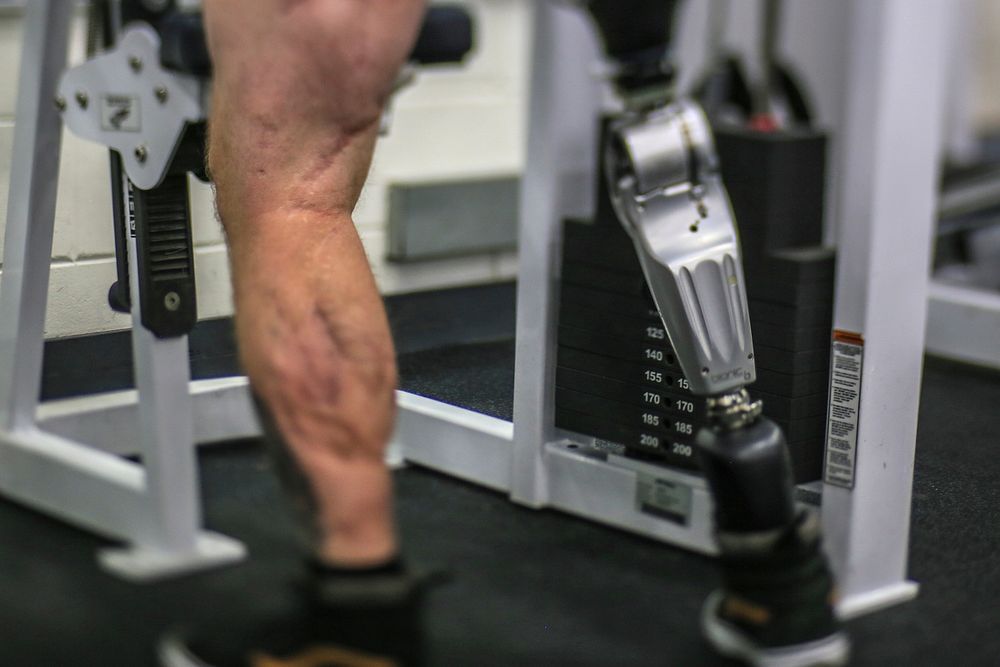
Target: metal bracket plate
123	99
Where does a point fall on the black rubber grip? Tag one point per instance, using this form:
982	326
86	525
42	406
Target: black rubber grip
183	46
447	36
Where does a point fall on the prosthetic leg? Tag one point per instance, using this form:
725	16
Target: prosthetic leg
776	603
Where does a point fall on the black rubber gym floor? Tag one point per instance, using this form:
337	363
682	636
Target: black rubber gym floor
529	587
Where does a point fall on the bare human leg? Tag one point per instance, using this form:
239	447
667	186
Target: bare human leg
299	87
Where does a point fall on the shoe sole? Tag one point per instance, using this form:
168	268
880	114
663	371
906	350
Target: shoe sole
172	653
730	641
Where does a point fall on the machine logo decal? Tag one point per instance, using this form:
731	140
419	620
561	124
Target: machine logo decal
662	498
120	113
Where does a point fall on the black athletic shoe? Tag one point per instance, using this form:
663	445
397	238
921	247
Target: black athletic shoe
776	605
346	619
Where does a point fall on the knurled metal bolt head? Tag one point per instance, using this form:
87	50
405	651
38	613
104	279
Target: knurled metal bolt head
82	99
172	301
141	153
60	103
135	62
162	94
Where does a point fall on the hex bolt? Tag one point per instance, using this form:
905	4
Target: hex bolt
162	94
82	99
135	62
172	301
141	153
60	103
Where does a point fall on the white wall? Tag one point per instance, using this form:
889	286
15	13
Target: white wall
454	123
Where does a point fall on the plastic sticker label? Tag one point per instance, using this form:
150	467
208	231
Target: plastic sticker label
663	498
120	113
846	360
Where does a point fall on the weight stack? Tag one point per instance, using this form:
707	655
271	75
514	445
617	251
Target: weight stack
775	182
617	379
791	312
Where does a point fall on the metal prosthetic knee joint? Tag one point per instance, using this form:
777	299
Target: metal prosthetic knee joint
667	192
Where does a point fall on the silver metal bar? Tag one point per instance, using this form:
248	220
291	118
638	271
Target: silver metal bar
561	139
972	196
31	211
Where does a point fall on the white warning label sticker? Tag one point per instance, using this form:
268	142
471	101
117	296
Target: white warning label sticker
842	418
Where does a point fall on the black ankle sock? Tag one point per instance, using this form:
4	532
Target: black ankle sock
320	568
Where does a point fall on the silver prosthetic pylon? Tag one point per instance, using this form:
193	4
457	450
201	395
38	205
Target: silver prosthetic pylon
668	194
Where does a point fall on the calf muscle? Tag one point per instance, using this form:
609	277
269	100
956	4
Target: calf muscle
298	91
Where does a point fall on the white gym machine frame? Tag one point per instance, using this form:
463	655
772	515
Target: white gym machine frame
891	142
886	214
153	507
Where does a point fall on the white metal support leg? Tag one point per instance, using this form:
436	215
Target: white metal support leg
31	211
166	438
891	146
139	504
558	182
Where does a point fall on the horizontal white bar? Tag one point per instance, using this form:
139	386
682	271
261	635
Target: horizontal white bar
453	440
89	488
853	606
963	323
605	492
222	411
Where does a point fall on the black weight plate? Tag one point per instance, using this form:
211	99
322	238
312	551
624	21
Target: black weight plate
816	315
675	425
806	428
780	408
655	352
809	264
791	386
623	392
612	325
792	293
603	279
783	361
624	371
792	339
611	251
614	304
677	454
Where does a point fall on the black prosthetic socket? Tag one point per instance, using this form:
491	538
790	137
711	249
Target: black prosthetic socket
637	34
750	475
786	577
777	588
